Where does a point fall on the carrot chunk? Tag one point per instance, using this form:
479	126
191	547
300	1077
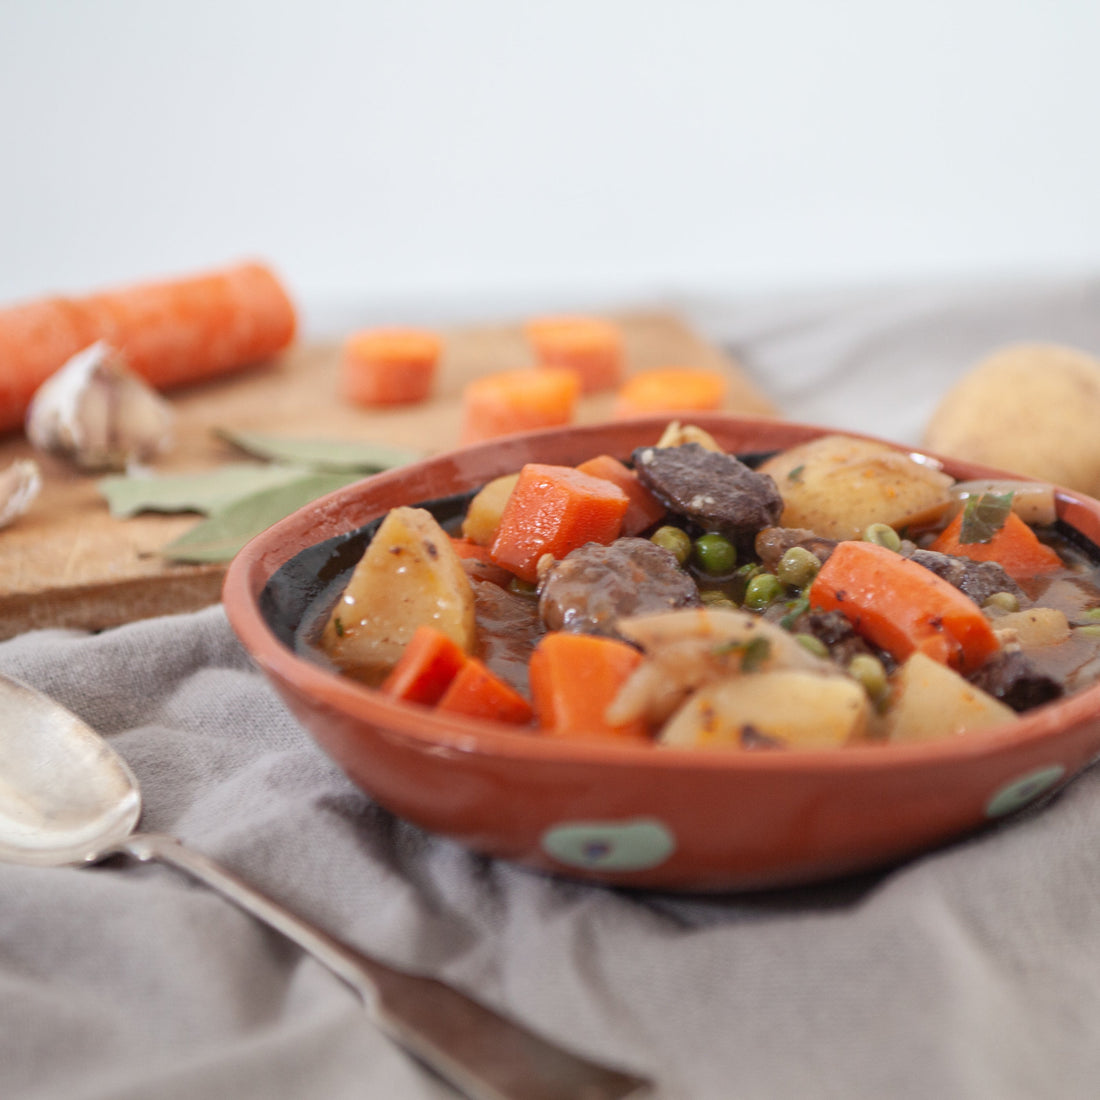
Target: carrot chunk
479	693
427	666
669	390
644	508
171	332
903	607
1015	546
574	678
552	510
590	347
389	366
518	401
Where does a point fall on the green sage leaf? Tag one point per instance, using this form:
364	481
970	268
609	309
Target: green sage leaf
983	517
223	534
206	492
320	454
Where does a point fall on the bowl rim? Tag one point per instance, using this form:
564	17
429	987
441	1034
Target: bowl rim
254	565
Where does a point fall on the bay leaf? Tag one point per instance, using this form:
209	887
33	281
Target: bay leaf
321	454
206	492
219	537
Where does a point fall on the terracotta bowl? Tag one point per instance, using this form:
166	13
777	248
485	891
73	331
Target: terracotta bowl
633	816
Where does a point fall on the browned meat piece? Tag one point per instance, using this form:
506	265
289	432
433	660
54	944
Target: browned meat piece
508	626
773	542
832	628
594	586
714	490
976	579
1011	677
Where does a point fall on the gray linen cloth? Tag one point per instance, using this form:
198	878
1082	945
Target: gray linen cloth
973	971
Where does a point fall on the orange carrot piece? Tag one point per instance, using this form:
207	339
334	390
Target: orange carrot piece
587	345
389	366
552	510
1015	547
478	564
670	389
171	332
902	606
574	678
427	666
518	401
644	509
479	693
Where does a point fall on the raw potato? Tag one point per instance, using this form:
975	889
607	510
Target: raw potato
930	701
483	515
1029	408
409	576
783	709
837	486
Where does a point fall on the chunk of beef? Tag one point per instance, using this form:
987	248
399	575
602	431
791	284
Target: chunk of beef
835	631
508	627
1011	677
714	490
594	586
773	542
977	579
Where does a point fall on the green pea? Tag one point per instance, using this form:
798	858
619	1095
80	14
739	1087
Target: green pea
870	673
882	534
761	590
715	554
715	597
675	539
1002	601
797	567
814	644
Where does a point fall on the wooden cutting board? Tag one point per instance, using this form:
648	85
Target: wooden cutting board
69	563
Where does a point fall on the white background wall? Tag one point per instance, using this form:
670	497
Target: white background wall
392	149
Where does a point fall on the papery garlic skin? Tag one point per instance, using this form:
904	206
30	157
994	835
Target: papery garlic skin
99	413
20	483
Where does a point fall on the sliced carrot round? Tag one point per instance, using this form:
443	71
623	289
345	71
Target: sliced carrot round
518	400
390	366
591	347
669	390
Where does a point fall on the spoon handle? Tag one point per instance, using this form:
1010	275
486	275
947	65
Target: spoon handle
481	1053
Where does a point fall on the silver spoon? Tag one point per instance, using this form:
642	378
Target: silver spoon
66	797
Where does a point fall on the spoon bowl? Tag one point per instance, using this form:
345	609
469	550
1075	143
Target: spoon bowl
66	797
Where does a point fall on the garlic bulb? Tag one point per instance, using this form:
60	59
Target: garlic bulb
98	413
20	483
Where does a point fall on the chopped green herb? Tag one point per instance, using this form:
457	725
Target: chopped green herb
795	475
338	626
795	610
984	516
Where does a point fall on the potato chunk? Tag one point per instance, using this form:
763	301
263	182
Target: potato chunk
930	701
782	709
837	486
483	515
409	576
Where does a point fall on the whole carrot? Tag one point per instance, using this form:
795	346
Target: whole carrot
172	332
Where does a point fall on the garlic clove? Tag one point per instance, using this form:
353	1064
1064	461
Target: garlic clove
20	483
99	413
